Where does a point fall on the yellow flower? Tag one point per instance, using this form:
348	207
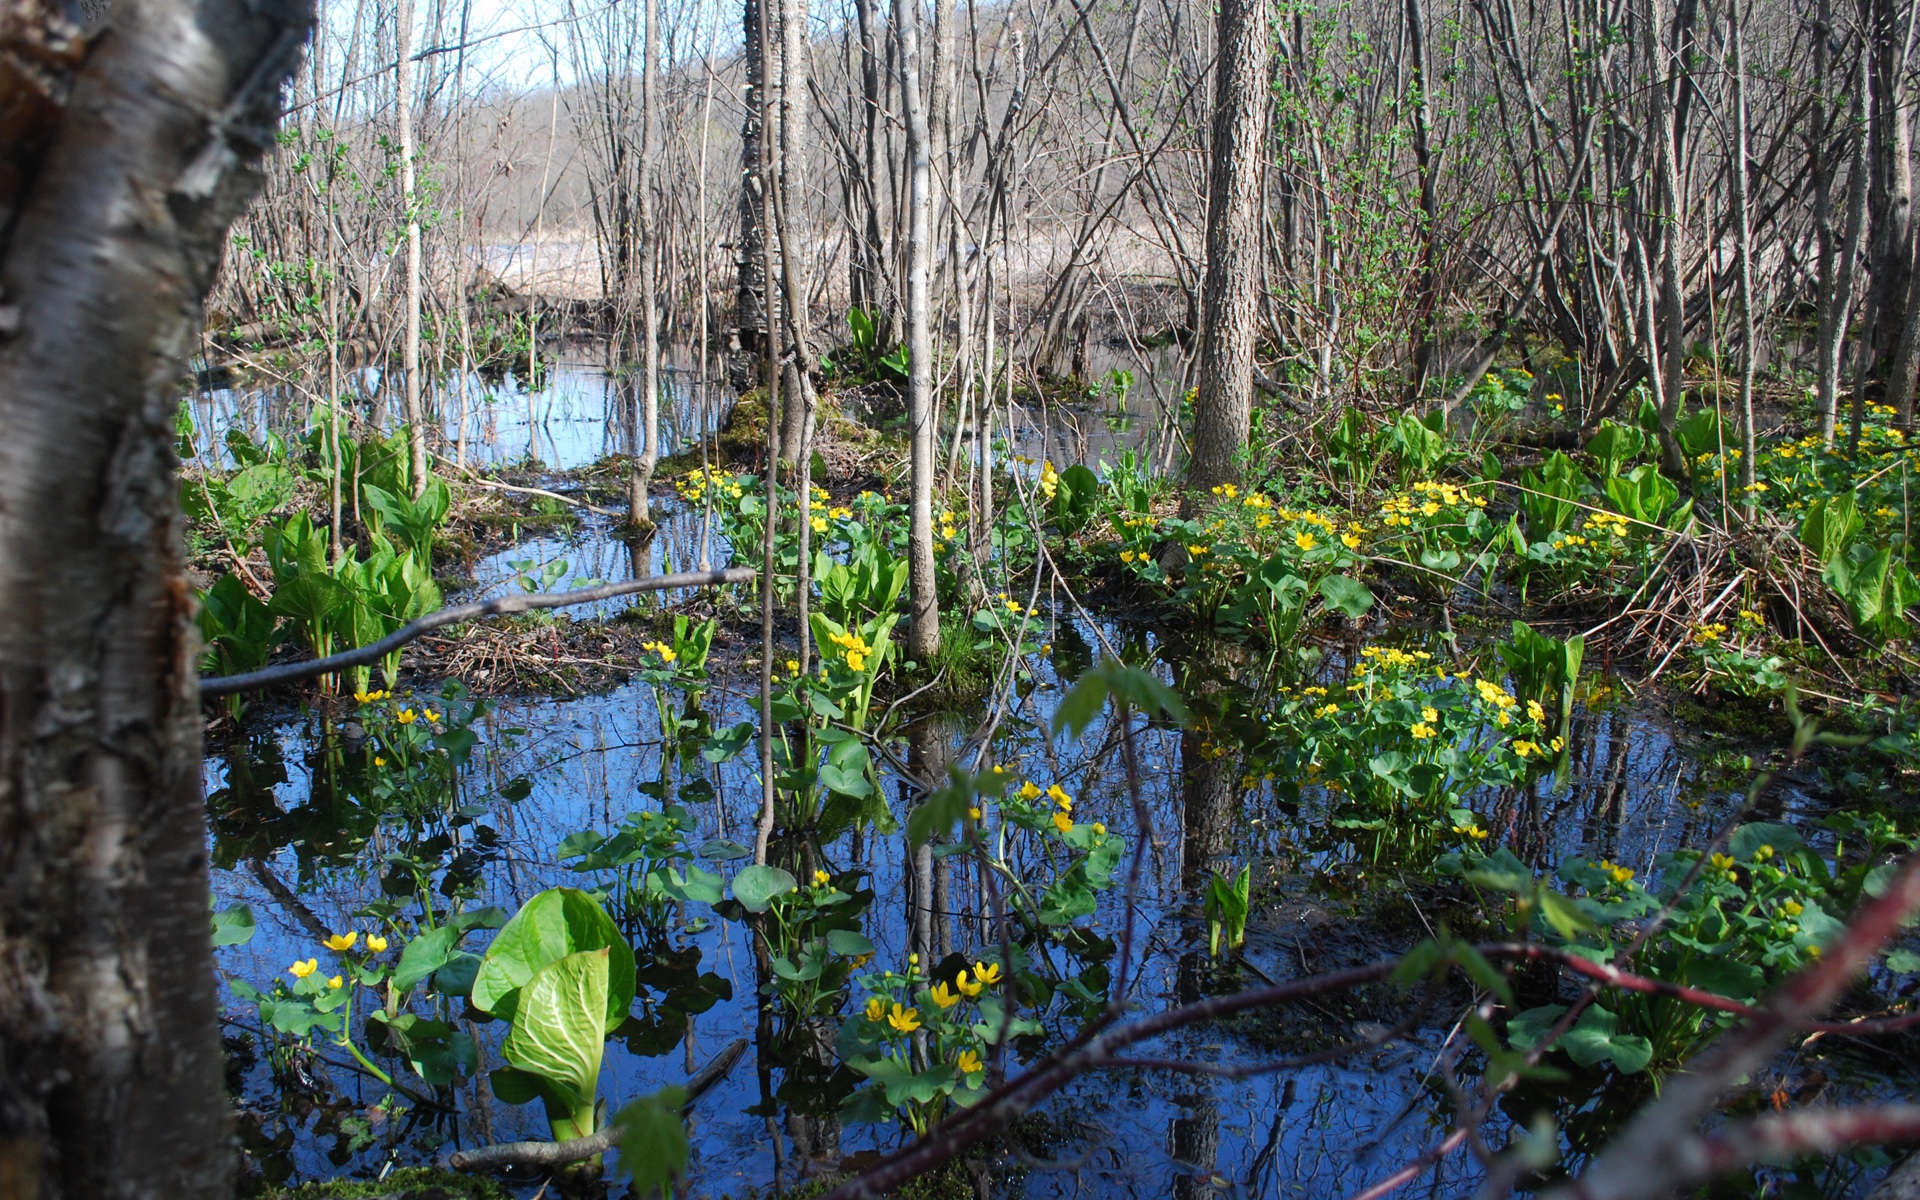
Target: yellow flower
969	1063
336	983
1059	797
876	1009
1063	822
376	943
378	761
1127	556
1429	714
1792	908
856	661
1350	540
987	973
301	970
361	697
904	1020
432	715
973	814
1100	828
1422	730
1615	871
1305	541
1524	748
1028	791
1535	713
819	524
943	995
406	716
341	941
969	985
820	878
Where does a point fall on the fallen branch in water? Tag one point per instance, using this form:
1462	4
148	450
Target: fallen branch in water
227	685
559	1154
472	478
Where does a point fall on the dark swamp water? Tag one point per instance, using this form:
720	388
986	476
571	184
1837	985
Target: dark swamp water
298	838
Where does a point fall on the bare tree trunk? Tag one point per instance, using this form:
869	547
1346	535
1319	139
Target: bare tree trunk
1838	302
798	364
646	436
410	345
1229	315
750	313
1889	31
1666	325
923	634
1743	226
114	209
1427	303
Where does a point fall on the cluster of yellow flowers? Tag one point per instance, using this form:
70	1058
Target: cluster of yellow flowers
1527	749
407	716
1610	524
1500	698
1424	727
662	649
1562	540
339	943
360	697
703	482
1049	479
1013	607
1723	864
1374	658
856	649
1473	830
1708	634
1615	871
1063	819
1426	498
902	1018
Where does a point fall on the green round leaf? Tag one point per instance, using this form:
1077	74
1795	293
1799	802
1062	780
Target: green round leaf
755	887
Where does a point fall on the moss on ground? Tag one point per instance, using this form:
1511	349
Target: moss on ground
413	1183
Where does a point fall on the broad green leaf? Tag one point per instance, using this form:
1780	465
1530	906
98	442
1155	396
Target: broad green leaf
559	1025
424	955
1346	594
552	925
653	1140
756	887
233	926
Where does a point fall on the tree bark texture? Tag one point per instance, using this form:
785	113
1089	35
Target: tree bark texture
1223	411
142	153
750	314
923	634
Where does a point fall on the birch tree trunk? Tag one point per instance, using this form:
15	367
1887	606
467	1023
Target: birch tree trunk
1229	313
113	211
923	634
645	438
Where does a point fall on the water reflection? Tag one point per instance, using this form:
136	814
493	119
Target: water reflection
576	413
